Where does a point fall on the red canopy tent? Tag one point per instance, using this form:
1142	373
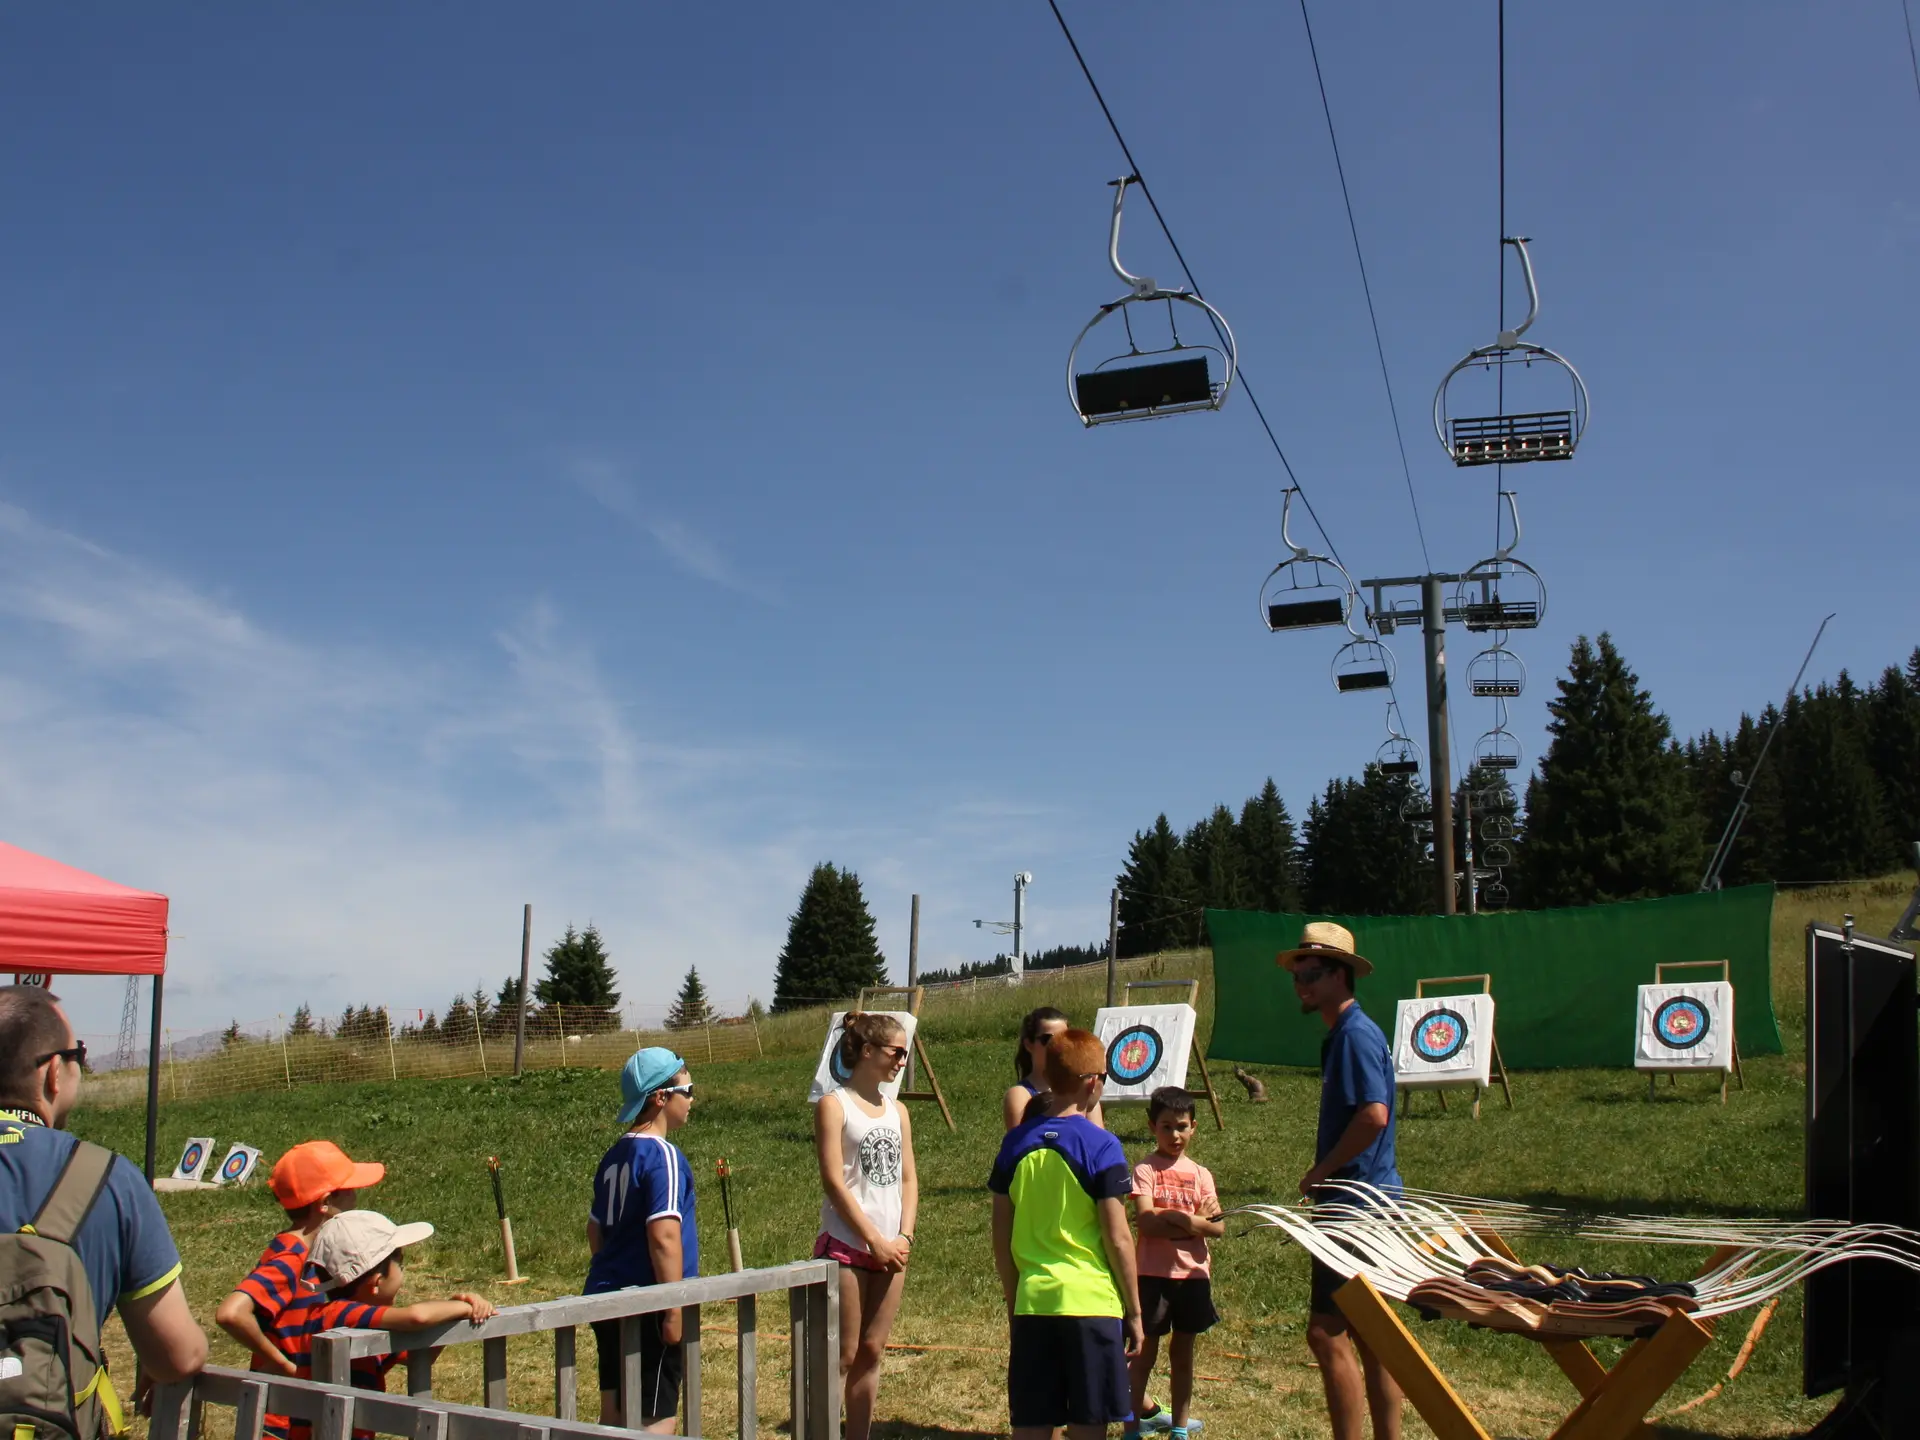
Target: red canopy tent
57	920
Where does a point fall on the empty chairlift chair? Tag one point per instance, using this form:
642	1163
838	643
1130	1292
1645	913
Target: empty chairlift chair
1362	664
1146	383
1510	439
1399	756
1307	590
1497	750
1496	674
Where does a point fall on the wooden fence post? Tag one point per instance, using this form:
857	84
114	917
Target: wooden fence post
393	1063
286	1062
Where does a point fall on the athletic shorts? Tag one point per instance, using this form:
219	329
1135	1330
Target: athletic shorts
1068	1370
1326	1280
1184	1306
659	1368
832	1247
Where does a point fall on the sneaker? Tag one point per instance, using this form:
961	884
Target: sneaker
1160	1420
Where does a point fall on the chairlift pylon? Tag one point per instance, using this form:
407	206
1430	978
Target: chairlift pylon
1496	673
1512	439
1133	384
1315	589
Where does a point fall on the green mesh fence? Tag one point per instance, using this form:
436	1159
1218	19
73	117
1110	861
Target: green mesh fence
1564	981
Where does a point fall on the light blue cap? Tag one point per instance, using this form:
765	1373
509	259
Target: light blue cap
646	1071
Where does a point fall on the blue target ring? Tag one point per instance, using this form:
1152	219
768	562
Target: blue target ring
234	1166
1439	1035
1681	1023
190	1158
1134	1054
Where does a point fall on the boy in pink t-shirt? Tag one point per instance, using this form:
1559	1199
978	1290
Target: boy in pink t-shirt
1178	1210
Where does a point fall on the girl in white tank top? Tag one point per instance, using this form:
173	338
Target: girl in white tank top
872	1197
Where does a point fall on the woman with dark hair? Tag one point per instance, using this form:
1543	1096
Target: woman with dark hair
1030	1067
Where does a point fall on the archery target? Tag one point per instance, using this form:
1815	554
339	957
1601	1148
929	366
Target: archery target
1443	1040
1147	1046
194	1157
829	1075
1685	1027
238	1167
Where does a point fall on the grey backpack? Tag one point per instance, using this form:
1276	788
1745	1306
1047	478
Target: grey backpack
53	1378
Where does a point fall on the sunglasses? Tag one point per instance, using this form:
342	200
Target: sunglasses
1311	974
78	1054
897	1052
686	1089
1094	1075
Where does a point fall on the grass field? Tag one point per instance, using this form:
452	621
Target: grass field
1584	1137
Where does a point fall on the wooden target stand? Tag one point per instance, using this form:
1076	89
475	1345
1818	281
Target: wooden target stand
1613	1403
1499	1065
1192	987
915	994
1725	967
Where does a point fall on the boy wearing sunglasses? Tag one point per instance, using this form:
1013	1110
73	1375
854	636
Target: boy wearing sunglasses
641	1231
1354	1142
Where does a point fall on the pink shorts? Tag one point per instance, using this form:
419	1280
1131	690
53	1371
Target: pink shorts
831	1247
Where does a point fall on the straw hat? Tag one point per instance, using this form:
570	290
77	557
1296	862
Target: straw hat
1323	938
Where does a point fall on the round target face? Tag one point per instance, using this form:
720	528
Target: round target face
1134	1054
1438	1035
234	1166
1681	1023
191	1157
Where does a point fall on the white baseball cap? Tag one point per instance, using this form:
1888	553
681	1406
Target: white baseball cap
355	1241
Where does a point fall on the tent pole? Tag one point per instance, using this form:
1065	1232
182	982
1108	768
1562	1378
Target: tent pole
153	1080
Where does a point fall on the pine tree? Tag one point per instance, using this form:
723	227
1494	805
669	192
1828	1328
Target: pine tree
832	949
430	1027
1612	816
348	1027
1159	899
1212	847
1359	857
1893	748
579	972
302	1022
457	1027
508	1000
1269	856
231	1036
1832	799
691	1008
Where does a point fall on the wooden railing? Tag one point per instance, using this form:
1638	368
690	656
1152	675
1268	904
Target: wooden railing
336	1408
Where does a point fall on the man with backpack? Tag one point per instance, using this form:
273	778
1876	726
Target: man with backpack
80	1235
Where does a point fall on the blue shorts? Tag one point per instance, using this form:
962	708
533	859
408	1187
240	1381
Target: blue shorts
1068	1370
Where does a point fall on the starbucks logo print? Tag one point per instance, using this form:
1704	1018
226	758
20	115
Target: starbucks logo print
880	1157
1681	1023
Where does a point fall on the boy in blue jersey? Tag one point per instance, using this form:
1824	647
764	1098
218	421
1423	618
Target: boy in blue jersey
1354	1142
1065	1255
641	1232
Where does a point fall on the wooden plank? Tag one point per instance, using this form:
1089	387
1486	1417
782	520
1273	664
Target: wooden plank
333	1358
170	1404
493	1368
748	1382
631	1379
1393	1345
823	1360
566	1378
432	1425
336	1417
797	1351
1644	1374
690	1367
251	1414
420	1373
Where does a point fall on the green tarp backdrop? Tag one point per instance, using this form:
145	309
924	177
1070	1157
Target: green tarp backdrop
1564	981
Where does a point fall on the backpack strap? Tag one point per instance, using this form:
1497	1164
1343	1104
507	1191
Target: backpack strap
72	1198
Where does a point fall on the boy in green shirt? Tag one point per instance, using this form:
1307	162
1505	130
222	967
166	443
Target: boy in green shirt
1064	1251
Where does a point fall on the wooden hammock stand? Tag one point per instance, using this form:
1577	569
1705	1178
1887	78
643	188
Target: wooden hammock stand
915	994
1725	967
1486	988
1198	1055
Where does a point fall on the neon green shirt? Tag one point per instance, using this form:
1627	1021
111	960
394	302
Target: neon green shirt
1056	1171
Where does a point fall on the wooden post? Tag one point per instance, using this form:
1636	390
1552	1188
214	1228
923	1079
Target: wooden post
493	1367
479	1040
1113	947
393	1063
913	975
690	1366
1386	1335
526	962
709	1040
566	1380
560	1019
286	1061
797	1352
749	1367
758	1053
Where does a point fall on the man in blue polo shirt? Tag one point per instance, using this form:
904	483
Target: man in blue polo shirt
129	1255
1354	1142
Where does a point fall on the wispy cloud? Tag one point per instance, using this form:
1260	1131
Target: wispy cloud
682	544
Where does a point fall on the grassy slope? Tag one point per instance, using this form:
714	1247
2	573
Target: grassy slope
1580	1136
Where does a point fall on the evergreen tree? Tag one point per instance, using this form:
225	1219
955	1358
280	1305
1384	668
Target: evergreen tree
507	1002
231	1036
1893	749
690	1007
302	1022
457	1027
1757	853
349	1024
832	949
1159	899
1613	815
430	1027
1359	857
579	972
1213	854
1269	859
1832	798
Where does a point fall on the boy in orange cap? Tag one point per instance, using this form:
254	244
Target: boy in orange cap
313	1182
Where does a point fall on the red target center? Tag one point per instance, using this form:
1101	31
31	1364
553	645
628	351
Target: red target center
1133	1055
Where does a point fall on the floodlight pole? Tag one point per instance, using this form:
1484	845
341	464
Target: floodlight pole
1020	883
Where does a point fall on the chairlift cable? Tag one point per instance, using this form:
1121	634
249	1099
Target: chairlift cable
1913	55
1366	287
1133	167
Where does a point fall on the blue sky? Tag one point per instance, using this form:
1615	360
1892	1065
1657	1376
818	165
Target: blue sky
614	457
